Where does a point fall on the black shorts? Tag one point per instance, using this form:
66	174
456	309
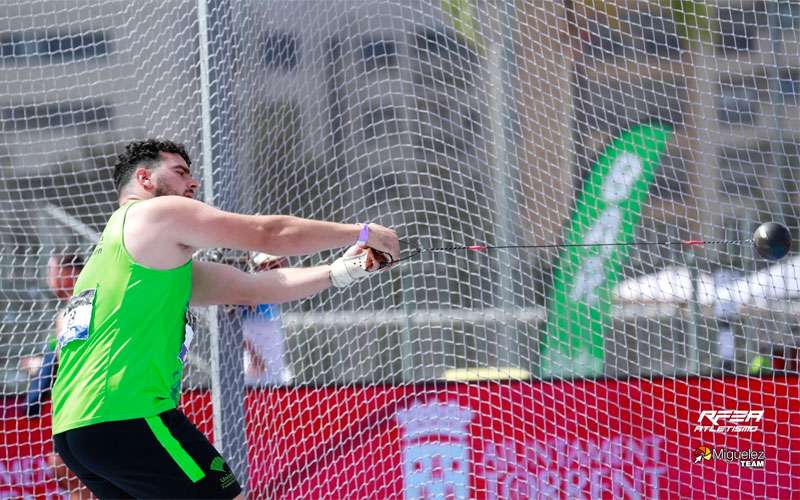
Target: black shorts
155	457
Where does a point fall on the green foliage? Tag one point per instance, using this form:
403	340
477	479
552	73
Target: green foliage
691	18
462	15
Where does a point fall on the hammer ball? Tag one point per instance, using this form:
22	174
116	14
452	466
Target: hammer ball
772	240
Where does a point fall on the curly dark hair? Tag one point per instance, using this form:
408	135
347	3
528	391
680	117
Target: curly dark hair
144	153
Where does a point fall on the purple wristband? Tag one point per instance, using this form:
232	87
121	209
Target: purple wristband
363	236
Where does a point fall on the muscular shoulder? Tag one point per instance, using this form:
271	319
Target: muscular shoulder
164	213
196	225
154	229
165	207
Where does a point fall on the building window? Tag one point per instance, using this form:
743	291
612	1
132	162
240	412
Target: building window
53	47
738	29
446	57
280	51
443	43
379	122
738	101
789	15
597	37
742	170
656	35
790	85
93	114
378	54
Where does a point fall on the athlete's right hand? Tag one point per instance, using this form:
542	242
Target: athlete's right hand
356	263
384	239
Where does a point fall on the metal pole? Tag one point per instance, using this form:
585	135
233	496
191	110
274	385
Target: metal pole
205	102
500	57
776	140
217	53
693	356
781	197
406	347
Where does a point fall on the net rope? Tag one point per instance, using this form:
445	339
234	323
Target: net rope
458	123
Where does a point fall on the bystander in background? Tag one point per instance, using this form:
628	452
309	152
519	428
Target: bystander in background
62	272
264	343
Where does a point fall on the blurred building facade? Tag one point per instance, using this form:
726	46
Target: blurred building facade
727	81
78	80
402	113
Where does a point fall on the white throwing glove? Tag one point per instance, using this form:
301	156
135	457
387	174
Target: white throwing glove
356	263
260	261
259	258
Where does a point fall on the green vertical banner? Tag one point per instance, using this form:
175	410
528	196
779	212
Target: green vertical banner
607	211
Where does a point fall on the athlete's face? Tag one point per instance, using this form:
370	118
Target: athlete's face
173	177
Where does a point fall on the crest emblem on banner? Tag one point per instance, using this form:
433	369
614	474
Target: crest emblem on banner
436	450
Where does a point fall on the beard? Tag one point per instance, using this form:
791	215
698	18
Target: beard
164	191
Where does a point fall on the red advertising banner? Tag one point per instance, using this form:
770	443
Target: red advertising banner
663	438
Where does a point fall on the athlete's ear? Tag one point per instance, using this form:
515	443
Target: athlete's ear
143	177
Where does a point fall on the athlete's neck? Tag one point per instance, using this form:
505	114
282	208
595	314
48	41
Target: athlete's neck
127	198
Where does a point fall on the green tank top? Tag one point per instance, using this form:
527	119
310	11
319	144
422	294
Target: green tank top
122	352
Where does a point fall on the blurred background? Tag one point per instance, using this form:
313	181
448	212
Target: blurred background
453	121
456	122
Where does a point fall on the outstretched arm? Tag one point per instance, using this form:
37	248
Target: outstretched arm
197	225
214	284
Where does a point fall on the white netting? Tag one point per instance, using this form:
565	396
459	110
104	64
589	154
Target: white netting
550	371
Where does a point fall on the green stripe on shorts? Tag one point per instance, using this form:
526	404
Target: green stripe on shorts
175	450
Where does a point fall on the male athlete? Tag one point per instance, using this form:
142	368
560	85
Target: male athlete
115	417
